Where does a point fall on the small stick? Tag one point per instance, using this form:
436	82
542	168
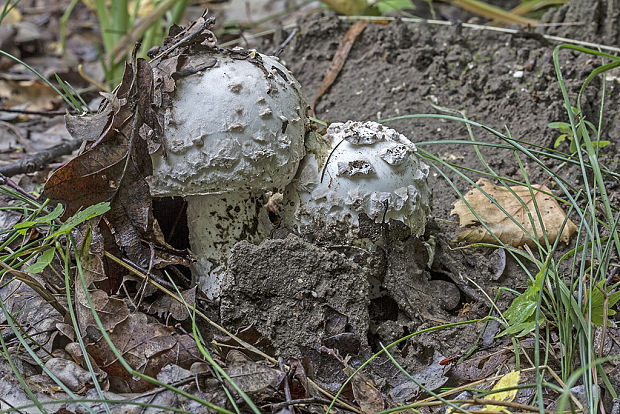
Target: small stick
280	48
40	160
4	180
27	112
287	388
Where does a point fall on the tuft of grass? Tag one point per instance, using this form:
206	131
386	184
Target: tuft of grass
122	24
569	292
567	133
58	241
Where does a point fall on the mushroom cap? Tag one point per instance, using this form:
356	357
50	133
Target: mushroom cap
236	126
368	169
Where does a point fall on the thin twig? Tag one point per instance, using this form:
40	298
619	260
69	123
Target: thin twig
40	160
280	48
287	388
4	180
39	113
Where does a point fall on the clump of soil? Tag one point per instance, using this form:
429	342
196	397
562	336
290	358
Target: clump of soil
297	295
590	20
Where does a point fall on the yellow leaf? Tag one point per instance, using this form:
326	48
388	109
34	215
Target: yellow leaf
509	380
348	7
502	225
13	16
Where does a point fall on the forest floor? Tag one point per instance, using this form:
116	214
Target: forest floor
296	296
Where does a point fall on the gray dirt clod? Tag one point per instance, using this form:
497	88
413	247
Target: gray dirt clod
289	289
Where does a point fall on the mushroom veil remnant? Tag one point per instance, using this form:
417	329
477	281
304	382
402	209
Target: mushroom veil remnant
233	131
360	168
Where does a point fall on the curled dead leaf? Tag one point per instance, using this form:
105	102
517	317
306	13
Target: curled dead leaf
366	394
521	209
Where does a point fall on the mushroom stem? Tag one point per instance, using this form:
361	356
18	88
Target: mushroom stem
216	223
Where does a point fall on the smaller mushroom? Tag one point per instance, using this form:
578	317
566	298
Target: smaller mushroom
359	169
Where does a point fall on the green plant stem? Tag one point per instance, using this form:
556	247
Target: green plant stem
19	377
78	333
179	11
63	25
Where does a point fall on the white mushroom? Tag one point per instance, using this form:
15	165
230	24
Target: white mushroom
232	132
360	168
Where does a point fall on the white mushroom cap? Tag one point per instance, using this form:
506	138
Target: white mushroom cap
232	132
231	127
369	169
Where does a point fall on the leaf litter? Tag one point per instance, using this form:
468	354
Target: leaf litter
107	298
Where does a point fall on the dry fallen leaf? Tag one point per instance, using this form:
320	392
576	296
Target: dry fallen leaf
113	167
501	225
34	95
366	394
254	377
146	345
432	377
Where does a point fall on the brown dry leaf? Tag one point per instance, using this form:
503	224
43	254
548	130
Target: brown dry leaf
113	168
254	377
481	367
299	379
249	335
94	175
166	305
501	225
144	343
32	95
366	394
30	309
147	346
339	59
111	311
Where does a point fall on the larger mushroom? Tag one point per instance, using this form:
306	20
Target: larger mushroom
233	131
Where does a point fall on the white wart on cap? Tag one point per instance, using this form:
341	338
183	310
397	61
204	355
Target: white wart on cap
365	168
233	132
